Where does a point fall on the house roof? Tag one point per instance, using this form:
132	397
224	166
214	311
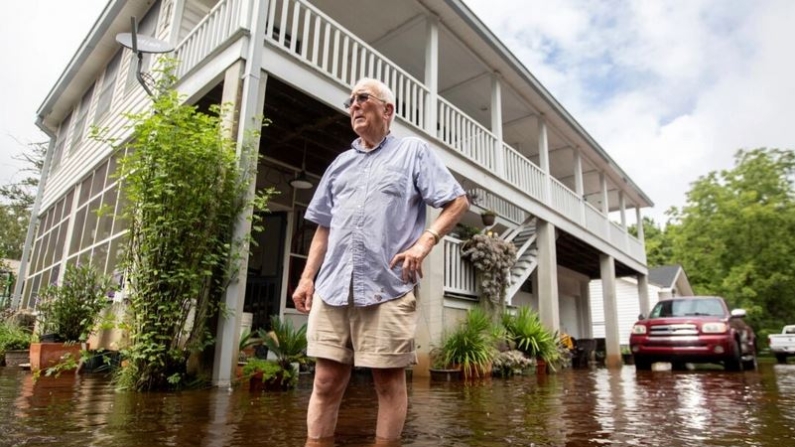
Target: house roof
664	276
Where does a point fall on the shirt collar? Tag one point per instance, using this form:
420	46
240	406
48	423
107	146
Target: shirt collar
359	146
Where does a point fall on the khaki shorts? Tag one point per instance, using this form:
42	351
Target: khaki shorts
378	336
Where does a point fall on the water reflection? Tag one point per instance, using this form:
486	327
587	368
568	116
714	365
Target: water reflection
572	408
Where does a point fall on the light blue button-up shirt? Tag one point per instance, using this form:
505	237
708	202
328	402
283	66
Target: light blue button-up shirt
373	203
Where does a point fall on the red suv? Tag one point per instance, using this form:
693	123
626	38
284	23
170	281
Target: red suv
693	329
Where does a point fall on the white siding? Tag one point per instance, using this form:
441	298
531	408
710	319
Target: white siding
628	304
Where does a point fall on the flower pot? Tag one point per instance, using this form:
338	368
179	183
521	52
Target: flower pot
17	357
446	375
541	366
47	355
488	219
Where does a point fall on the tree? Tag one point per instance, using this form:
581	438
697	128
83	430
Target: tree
734	236
659	247
16	201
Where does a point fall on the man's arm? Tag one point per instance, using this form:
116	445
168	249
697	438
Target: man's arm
412	258
306	285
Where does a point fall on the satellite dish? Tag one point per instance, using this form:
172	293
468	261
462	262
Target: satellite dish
145	44
140	45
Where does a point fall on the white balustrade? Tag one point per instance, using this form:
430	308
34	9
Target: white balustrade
459	275
466	136
224	21
505	209
595	221
617	235
566	201
307	33
523	173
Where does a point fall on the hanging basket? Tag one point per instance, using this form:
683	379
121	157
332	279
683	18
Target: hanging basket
488	219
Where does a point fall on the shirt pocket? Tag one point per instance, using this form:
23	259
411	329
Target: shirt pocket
392	182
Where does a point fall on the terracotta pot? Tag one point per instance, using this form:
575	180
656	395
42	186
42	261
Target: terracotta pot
46	355
541	366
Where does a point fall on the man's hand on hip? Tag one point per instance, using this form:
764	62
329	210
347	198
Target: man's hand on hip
411	259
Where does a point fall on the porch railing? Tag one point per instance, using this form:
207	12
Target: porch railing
225	20
466	136
318	40
523	173
504	208
459	276
302	30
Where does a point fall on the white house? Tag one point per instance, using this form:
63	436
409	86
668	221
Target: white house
664	282
495	126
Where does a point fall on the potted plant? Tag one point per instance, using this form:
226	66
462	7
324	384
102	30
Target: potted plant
288	345
493	258
532	337
470	349
67	315
512	362
488	217
14	343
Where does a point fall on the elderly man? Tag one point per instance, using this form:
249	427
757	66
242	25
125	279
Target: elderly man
368	248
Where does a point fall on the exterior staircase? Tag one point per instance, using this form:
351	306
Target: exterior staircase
524	238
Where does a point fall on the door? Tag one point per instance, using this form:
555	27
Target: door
265	267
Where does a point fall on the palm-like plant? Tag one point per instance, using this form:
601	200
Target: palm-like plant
285	342
530	335
471	347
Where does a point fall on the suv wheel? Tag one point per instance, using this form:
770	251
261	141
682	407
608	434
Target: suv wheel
734	363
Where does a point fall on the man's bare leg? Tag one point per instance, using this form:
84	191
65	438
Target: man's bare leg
390	385
331	379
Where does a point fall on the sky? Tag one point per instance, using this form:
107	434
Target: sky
669	88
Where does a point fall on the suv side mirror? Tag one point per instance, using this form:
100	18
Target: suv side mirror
738	313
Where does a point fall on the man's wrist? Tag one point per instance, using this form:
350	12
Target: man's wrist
434	234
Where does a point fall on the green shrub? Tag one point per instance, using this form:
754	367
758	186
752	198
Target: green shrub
285	342
471	347
530	335
13	337
71	310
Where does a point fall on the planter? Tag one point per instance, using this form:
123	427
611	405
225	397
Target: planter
446	375
488	219
256	384
17	358
628	359
541	367
47	355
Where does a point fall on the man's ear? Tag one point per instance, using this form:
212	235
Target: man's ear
389	110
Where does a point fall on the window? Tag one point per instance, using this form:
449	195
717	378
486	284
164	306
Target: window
80	122
146	27
108	85
59	146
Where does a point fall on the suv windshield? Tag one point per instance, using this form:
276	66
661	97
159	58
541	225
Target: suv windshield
688	308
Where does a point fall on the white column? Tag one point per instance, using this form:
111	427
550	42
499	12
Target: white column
548	307
579	186
605	203
430	327
639	219
643	295
496	123
607	271
586	319
543	155
251	87
431	73
623	207
177	12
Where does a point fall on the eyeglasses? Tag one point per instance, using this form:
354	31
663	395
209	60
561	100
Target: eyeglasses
360	98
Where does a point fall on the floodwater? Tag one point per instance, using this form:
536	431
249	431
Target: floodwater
572	408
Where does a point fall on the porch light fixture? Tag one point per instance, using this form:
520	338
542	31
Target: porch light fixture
302	181
140	45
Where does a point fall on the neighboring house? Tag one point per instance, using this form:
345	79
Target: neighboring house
664	282
501	133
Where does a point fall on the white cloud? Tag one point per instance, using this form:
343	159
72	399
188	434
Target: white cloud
670	89
37	40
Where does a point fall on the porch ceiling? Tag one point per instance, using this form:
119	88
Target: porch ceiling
576	255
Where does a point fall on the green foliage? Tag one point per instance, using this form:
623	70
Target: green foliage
272	372
659	246
185	186
285	342
465	232
13	337
72	309
471	347
530	335
734	235
16	201
493	259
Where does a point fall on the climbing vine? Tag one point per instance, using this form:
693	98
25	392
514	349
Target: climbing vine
184	187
